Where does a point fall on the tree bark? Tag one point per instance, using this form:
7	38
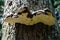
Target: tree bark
19	31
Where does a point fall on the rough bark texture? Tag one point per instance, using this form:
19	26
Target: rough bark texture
8	31
38	31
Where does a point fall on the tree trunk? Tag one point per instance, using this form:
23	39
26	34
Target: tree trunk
18	31
38	31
